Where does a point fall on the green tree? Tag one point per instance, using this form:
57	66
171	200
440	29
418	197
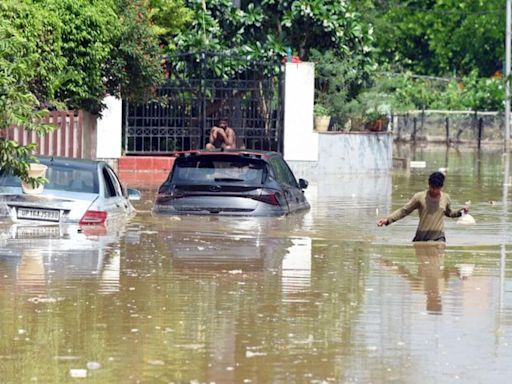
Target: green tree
72	53
481	94
263	29
20	66
133	67
469	35
168	17
112	47
440	36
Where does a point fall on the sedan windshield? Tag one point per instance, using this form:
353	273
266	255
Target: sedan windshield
215	169
62	178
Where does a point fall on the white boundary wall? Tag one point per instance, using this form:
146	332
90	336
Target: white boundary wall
300	140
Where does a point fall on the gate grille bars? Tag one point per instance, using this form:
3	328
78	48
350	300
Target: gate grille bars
201	88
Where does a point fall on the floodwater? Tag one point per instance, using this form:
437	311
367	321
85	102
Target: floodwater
320	297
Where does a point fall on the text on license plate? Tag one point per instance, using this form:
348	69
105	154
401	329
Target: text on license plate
39	214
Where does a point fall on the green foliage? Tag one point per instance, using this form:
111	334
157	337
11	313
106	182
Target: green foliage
467	36
263	29
19	62
88	29
450	98
134	67
483	94
367	107
107	47
336	80
440	36
168	17
73	53
40	31
321	110
401	93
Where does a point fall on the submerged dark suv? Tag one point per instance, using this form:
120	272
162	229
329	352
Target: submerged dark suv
239	183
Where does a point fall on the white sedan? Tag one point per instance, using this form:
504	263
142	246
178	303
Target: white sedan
83	192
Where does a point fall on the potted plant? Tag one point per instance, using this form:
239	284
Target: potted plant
36	172
375	120
322	117
336	84
353	116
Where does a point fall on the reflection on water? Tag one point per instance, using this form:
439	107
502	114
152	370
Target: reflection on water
430	275
37	256
430	267
324	296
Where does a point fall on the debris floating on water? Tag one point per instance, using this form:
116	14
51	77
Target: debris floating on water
465	270
417	164
78	373
466	219
93	365
156	362
249	354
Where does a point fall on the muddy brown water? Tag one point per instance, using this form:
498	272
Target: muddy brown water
319	297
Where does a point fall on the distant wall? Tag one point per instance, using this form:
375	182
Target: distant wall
311	154
342	153
449	126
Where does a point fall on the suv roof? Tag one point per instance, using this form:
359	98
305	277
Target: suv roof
236	152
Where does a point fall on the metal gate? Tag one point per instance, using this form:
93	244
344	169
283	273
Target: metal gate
201	88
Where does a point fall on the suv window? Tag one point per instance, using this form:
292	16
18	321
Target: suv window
282	171
222	168
290	178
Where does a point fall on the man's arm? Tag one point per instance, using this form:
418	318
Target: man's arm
213	134
230	137
222	134
401	212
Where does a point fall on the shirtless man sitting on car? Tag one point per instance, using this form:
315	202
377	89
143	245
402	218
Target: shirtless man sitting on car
221	136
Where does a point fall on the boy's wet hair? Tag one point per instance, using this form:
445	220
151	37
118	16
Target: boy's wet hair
436	180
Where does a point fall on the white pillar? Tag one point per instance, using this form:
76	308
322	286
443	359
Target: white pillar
109	130
508	32
300	141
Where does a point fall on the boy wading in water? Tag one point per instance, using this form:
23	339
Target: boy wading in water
433	205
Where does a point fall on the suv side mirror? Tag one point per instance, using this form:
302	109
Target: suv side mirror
303	184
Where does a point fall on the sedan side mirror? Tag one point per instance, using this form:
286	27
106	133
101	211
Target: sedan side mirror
303	184
134	194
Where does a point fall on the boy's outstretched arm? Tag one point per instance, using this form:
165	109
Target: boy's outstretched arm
400	212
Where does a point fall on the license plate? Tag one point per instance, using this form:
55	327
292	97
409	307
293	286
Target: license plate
39	214
38	232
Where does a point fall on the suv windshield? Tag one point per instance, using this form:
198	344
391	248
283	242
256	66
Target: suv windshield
214	169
